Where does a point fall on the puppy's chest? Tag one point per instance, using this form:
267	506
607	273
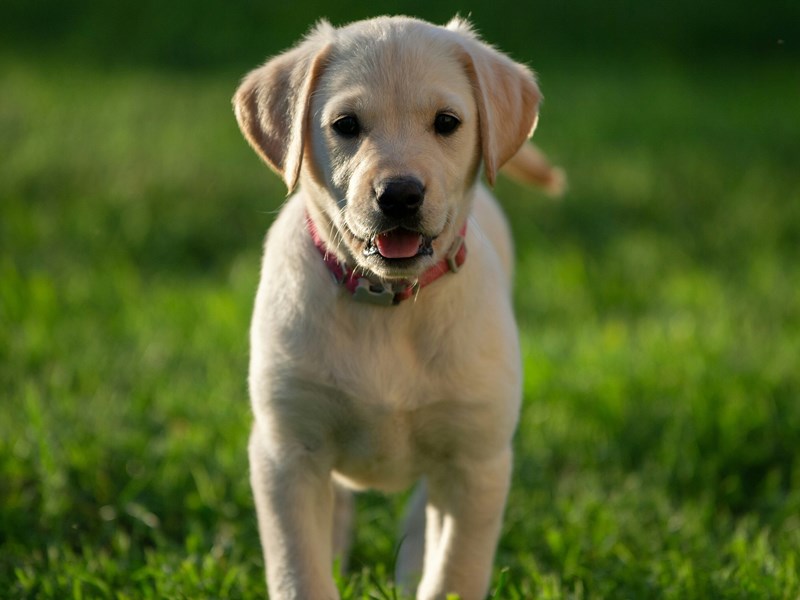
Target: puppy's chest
388	441
401	414
390	395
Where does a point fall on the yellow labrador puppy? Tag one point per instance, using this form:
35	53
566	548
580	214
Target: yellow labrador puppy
384	350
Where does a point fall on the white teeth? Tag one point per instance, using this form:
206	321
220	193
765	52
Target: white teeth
371	248
426	249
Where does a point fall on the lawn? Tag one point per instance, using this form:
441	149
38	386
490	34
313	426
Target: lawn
658	453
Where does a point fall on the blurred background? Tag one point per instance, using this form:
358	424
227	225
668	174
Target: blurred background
659	301
212	34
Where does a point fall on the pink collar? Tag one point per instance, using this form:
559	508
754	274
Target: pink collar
388	294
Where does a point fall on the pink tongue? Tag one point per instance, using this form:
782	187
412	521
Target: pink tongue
398	243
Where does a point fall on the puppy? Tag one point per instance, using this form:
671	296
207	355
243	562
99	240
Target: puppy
384	349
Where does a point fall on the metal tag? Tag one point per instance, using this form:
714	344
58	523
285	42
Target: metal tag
370	293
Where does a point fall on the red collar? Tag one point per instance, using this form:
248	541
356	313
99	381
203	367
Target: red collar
388	294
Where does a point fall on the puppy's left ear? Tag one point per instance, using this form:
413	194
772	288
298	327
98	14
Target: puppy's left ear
506	94
272	104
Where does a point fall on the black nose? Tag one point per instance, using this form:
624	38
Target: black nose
400	197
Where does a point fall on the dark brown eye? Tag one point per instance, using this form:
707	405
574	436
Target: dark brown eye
445	123
347	126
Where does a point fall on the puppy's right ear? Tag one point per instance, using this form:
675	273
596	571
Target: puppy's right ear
273	102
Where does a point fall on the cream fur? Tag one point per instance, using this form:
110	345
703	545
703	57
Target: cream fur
347	395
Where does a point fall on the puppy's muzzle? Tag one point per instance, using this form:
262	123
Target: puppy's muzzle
400	198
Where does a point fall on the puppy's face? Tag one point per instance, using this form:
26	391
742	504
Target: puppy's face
395	145
386	122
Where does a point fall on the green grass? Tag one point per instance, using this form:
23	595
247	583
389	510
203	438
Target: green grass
658	454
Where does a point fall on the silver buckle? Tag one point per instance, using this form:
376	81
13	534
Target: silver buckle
454	250
371	293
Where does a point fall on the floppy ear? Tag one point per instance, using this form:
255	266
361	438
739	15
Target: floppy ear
506	94
272	104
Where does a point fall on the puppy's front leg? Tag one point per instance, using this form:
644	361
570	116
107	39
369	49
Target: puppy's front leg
469	503
294	503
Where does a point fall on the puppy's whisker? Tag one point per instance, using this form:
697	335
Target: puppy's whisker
335	235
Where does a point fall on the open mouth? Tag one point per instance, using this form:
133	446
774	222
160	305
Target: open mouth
399	244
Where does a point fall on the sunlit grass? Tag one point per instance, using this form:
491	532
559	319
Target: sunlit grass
659	306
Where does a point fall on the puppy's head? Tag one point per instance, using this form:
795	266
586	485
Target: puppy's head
386	123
